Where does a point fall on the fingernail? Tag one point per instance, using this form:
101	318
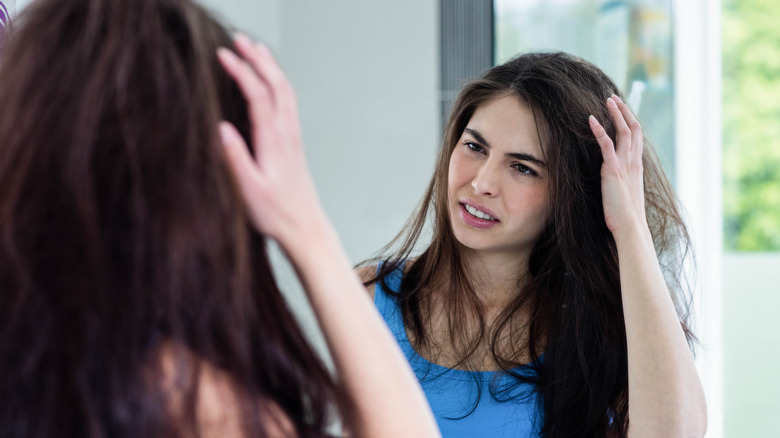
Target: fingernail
226	133
593	120
616	97
611	103
241	38
226	55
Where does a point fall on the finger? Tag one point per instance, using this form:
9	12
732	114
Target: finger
623	132
261	59
253	56
637	137
264	63
280	90
605	143
255	91
240	161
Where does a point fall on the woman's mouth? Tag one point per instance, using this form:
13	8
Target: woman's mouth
477	218
478	213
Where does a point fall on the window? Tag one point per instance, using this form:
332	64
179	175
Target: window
630	40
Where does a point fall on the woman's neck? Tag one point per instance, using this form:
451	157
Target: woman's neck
497	278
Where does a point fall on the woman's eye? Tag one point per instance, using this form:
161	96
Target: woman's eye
474	147
523	169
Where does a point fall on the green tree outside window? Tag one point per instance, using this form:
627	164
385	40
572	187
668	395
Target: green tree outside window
751	125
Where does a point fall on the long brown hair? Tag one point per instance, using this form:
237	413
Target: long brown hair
572	288
122	233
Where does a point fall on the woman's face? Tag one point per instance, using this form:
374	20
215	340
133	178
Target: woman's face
498	182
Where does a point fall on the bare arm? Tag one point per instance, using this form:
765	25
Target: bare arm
283	204
665	394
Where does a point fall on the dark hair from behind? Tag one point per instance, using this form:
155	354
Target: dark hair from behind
123	237
572	290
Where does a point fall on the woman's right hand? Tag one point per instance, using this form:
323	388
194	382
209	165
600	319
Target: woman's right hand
276	185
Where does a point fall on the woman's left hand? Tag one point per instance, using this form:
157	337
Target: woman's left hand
622	185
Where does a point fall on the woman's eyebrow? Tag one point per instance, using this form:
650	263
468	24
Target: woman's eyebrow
474	133
526	157
516	155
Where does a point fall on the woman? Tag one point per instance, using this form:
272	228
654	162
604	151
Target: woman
549	300
136	296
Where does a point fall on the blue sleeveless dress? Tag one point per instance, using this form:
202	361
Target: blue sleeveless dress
461	400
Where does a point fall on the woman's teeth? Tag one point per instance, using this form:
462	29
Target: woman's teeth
478	213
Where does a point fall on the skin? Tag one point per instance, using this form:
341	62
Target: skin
218	410
282	203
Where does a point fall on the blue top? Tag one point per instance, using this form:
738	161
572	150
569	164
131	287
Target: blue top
453	393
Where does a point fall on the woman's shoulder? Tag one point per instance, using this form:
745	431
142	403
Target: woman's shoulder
368	274
218	407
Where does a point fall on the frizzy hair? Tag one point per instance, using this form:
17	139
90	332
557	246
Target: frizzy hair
571	293
123	238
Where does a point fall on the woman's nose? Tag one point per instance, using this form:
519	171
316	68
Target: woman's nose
486	182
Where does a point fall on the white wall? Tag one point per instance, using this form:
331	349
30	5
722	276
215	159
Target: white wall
366	74
751	338
367	79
